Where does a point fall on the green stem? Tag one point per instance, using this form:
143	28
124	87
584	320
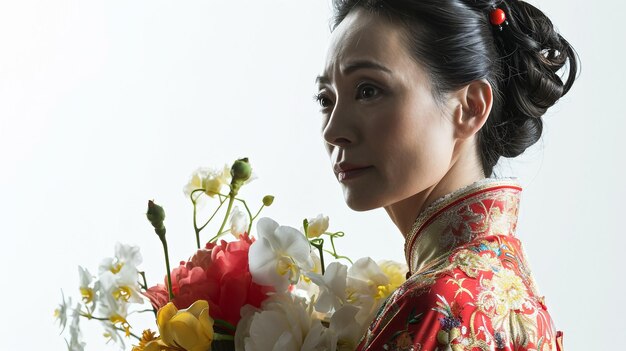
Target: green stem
213	215
249	214
222	196
195	217
332	243
339	256
195	223
131	333
320	247
231	199
145	287
88	316
224	324
255	216
195	227
167	266
218	337
259	211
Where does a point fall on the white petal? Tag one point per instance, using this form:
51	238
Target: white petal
317	226
344	324
293	243
262	261
238	222
266	226
286	342
85	277
128	254
266	328
332	287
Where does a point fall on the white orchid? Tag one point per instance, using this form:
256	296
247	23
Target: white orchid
283	323
344	331
287	322
239	222
117	287
305	287
367	286
279	255
332	287
61	312
111	333
87	290
75	343
116	314
118	278
126	256
317	226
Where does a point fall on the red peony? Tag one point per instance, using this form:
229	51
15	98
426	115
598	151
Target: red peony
222	278
201	259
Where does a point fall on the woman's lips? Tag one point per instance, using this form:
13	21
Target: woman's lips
351	174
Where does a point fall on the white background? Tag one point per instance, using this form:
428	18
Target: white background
106	104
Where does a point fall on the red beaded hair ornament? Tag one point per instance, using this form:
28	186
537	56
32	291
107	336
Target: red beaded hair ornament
497	17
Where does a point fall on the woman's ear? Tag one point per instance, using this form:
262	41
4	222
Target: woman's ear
473	105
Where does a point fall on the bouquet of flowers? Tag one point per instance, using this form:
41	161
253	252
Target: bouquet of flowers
268	290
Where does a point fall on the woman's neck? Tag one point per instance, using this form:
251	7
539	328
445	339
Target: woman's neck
463	171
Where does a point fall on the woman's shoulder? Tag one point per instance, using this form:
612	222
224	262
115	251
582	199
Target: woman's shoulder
481	296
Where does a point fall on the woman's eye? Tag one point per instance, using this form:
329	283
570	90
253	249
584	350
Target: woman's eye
367	91
322	100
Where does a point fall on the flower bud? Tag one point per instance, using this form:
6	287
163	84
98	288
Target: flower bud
317	226
268	200
241	170
156	216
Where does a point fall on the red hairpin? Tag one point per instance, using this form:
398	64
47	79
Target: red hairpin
497	17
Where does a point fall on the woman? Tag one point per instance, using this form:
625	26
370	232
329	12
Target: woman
420	99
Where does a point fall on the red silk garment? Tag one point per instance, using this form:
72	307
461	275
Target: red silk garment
470	287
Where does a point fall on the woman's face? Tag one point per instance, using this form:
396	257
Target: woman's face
384	118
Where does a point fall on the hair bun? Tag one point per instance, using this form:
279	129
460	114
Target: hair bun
532	54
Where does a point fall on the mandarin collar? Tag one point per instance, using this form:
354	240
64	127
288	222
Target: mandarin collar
486	207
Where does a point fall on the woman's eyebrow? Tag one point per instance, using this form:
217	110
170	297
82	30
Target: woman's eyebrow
354	66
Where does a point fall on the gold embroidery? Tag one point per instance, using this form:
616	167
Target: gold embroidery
472	229
453	220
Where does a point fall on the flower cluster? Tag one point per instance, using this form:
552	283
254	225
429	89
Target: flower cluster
270	289
106	297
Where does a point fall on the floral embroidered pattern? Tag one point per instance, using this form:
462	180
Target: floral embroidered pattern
470	286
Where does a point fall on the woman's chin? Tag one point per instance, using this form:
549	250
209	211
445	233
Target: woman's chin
360	204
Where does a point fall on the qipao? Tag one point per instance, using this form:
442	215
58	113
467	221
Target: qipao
469	286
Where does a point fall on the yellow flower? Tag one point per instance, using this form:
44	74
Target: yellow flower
396	272
147	337
188	329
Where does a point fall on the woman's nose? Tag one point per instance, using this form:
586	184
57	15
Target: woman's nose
339	131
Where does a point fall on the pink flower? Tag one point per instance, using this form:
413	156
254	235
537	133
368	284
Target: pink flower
223	279
201	259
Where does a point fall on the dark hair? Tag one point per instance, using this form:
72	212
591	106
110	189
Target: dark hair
456	42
